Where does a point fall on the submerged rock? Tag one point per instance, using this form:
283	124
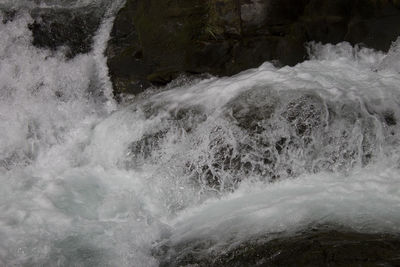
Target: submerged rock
153	41
179	121
315	247
263	135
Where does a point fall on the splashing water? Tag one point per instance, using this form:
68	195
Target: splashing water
88	182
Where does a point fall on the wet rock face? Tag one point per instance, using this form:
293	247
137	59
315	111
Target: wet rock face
316	247
151	42
154	41
72	29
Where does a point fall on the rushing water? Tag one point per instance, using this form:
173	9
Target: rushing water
89	182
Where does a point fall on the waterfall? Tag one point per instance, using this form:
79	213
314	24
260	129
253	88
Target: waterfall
87	181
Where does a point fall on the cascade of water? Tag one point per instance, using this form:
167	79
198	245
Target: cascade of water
86	181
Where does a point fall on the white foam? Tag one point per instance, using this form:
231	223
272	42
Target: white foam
367	200
70	182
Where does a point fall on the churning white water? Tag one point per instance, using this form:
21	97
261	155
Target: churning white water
89	182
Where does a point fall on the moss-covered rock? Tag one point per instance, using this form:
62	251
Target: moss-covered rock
153	41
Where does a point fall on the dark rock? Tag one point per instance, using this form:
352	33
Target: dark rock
128	70
183	120
263	135
72	29
154	41
390	118
315	247
268	135
250	108
8	15
305	114
142	149
377	33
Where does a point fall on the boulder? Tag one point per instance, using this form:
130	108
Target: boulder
261	135
154	41
70	28
325	246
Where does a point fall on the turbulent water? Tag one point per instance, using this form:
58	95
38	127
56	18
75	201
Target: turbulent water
89	182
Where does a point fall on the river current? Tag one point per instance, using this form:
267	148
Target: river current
87	181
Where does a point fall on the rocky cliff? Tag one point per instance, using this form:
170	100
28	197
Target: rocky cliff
154	41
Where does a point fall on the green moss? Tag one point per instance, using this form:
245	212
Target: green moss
212	30
163	76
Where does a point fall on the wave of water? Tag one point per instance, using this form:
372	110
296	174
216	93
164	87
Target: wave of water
89	182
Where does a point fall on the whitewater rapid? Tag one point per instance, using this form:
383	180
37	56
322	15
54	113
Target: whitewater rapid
86	181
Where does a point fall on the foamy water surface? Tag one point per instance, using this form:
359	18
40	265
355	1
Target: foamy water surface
89	182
